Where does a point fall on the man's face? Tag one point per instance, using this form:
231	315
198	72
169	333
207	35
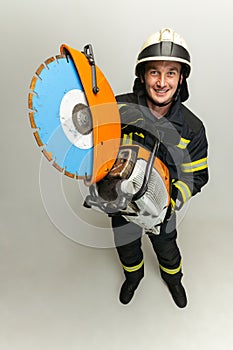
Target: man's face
161	79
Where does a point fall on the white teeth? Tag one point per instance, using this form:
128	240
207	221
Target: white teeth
161	91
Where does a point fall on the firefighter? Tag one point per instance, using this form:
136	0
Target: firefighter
160	88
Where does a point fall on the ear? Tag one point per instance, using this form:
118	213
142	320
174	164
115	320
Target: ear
181	78
142	79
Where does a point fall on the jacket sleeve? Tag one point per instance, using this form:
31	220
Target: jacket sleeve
193	172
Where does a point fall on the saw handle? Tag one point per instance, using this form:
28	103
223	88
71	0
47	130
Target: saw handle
88	52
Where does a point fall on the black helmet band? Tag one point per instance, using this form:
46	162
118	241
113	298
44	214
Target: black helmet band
165	49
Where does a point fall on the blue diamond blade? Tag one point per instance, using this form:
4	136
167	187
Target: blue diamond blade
56	91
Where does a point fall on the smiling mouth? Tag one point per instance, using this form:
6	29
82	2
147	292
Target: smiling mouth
159	91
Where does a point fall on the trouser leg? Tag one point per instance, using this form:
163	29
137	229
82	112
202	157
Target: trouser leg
131	258
127	237
168	254
169	259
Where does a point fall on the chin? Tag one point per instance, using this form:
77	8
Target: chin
160	101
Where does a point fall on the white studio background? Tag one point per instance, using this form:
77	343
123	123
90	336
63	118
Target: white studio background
32	31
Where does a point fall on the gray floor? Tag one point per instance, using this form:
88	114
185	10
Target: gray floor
60	276
59	294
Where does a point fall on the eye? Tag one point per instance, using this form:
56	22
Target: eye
172	73
154	72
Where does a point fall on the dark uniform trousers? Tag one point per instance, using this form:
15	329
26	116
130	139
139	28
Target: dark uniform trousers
127	236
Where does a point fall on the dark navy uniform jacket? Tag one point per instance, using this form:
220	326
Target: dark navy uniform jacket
183	147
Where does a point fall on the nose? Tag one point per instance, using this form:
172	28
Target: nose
161	82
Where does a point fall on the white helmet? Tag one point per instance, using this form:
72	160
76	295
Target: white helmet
165	45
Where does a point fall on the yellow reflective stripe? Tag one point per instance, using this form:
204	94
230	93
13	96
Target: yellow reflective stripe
133	268
171	271
120	105
124	142
131	123
183	143
140	135
127	139
184	190
173	203
194	166
130	138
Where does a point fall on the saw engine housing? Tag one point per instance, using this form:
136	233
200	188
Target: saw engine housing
119	193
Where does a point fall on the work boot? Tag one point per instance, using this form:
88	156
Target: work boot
127	292
178	294
130	285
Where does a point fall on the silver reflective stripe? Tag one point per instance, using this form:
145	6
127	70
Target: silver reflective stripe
184	190
183	143
127	139
194	166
